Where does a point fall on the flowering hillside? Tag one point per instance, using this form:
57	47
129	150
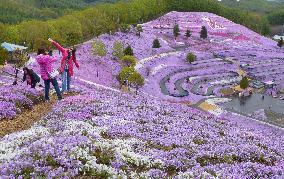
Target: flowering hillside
160	132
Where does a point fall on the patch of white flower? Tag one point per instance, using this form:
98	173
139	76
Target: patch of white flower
227	81
141	63
10	145
158	68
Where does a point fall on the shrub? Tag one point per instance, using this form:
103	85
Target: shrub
136	80
244	83
176	30
124	74
117	50
99	48
128	61
129	76
203	32
190	57
128	51
156	44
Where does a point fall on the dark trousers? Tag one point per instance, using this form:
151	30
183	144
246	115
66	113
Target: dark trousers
47	87
33	85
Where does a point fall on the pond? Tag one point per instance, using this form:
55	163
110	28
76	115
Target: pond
272	108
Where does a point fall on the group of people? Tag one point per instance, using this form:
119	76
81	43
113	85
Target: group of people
45	61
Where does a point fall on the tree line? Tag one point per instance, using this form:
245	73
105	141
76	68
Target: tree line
272	10
16	11
276	17
107	18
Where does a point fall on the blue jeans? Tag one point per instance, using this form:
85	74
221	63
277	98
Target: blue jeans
47	87
66	79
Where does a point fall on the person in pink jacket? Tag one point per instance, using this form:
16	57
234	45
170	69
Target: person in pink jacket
66	68
45	62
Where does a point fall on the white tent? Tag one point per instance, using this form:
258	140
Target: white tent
12	47
277	37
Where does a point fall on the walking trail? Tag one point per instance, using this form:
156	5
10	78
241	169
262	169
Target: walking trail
27	119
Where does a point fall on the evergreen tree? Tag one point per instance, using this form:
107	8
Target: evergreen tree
203	32
280	42
176	30
128	51
156	44
190	58
244	83
188	33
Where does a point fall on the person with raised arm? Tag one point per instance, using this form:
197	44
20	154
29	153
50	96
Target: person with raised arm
66	68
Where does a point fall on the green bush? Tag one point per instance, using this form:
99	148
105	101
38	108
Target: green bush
136	80
190	57
117	50
124	74
99	48
131	77
128	61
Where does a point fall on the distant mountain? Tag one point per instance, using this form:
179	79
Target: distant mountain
273	10
259	6
14	11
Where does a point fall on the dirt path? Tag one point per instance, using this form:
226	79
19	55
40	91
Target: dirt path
27	119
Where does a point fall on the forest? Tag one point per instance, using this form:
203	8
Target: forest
79	26
16	11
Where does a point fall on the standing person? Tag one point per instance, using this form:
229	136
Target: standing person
66	69
31	77
45	62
